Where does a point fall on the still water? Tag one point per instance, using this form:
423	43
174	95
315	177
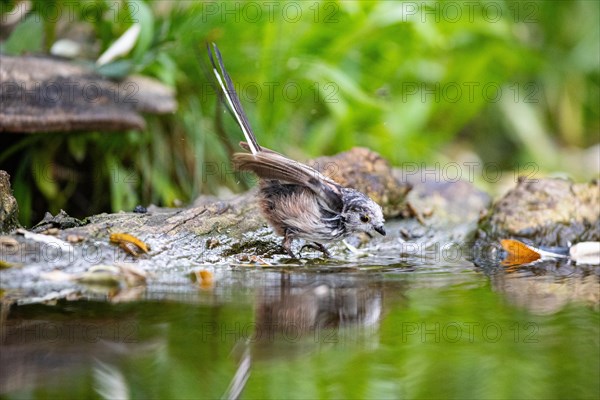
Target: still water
314	332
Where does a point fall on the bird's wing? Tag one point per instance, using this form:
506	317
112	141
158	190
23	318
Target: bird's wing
268	164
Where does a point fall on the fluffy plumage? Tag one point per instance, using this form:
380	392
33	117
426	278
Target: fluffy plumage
298	201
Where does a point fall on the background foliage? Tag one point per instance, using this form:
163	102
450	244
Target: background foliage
512	85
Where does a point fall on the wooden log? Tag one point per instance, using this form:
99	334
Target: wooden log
43	94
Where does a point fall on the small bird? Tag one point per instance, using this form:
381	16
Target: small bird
297	200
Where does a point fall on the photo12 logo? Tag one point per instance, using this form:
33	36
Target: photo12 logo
71	11
468	11
469	171
468	332
67	91
470	92
52	332
271	11
273	92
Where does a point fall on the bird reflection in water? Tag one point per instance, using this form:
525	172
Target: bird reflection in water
299	317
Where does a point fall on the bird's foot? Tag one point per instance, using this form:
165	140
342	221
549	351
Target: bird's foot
317	246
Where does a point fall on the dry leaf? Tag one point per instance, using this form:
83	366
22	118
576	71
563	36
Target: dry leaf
5	264
518	253
205	278
130	249
127	243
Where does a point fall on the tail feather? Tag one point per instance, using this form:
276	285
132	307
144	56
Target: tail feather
246	146
233	100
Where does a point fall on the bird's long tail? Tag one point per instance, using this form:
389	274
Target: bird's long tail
232	99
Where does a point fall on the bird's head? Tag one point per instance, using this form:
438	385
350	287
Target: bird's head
361	214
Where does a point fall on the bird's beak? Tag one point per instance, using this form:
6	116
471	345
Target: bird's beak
380	230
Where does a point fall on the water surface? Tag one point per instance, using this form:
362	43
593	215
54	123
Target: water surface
316	331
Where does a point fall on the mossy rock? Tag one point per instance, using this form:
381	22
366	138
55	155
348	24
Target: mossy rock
549	212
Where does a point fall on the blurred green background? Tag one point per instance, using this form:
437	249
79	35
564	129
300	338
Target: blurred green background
507	85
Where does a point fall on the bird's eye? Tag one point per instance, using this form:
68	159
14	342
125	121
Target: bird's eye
364	218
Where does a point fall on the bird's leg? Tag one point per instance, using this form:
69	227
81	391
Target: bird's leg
326	252
287	245
317	246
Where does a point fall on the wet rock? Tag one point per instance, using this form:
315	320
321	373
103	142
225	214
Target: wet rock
553	212
447	202
9	210
548	212
366	171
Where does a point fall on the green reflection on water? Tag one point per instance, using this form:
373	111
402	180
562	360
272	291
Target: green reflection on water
394	336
